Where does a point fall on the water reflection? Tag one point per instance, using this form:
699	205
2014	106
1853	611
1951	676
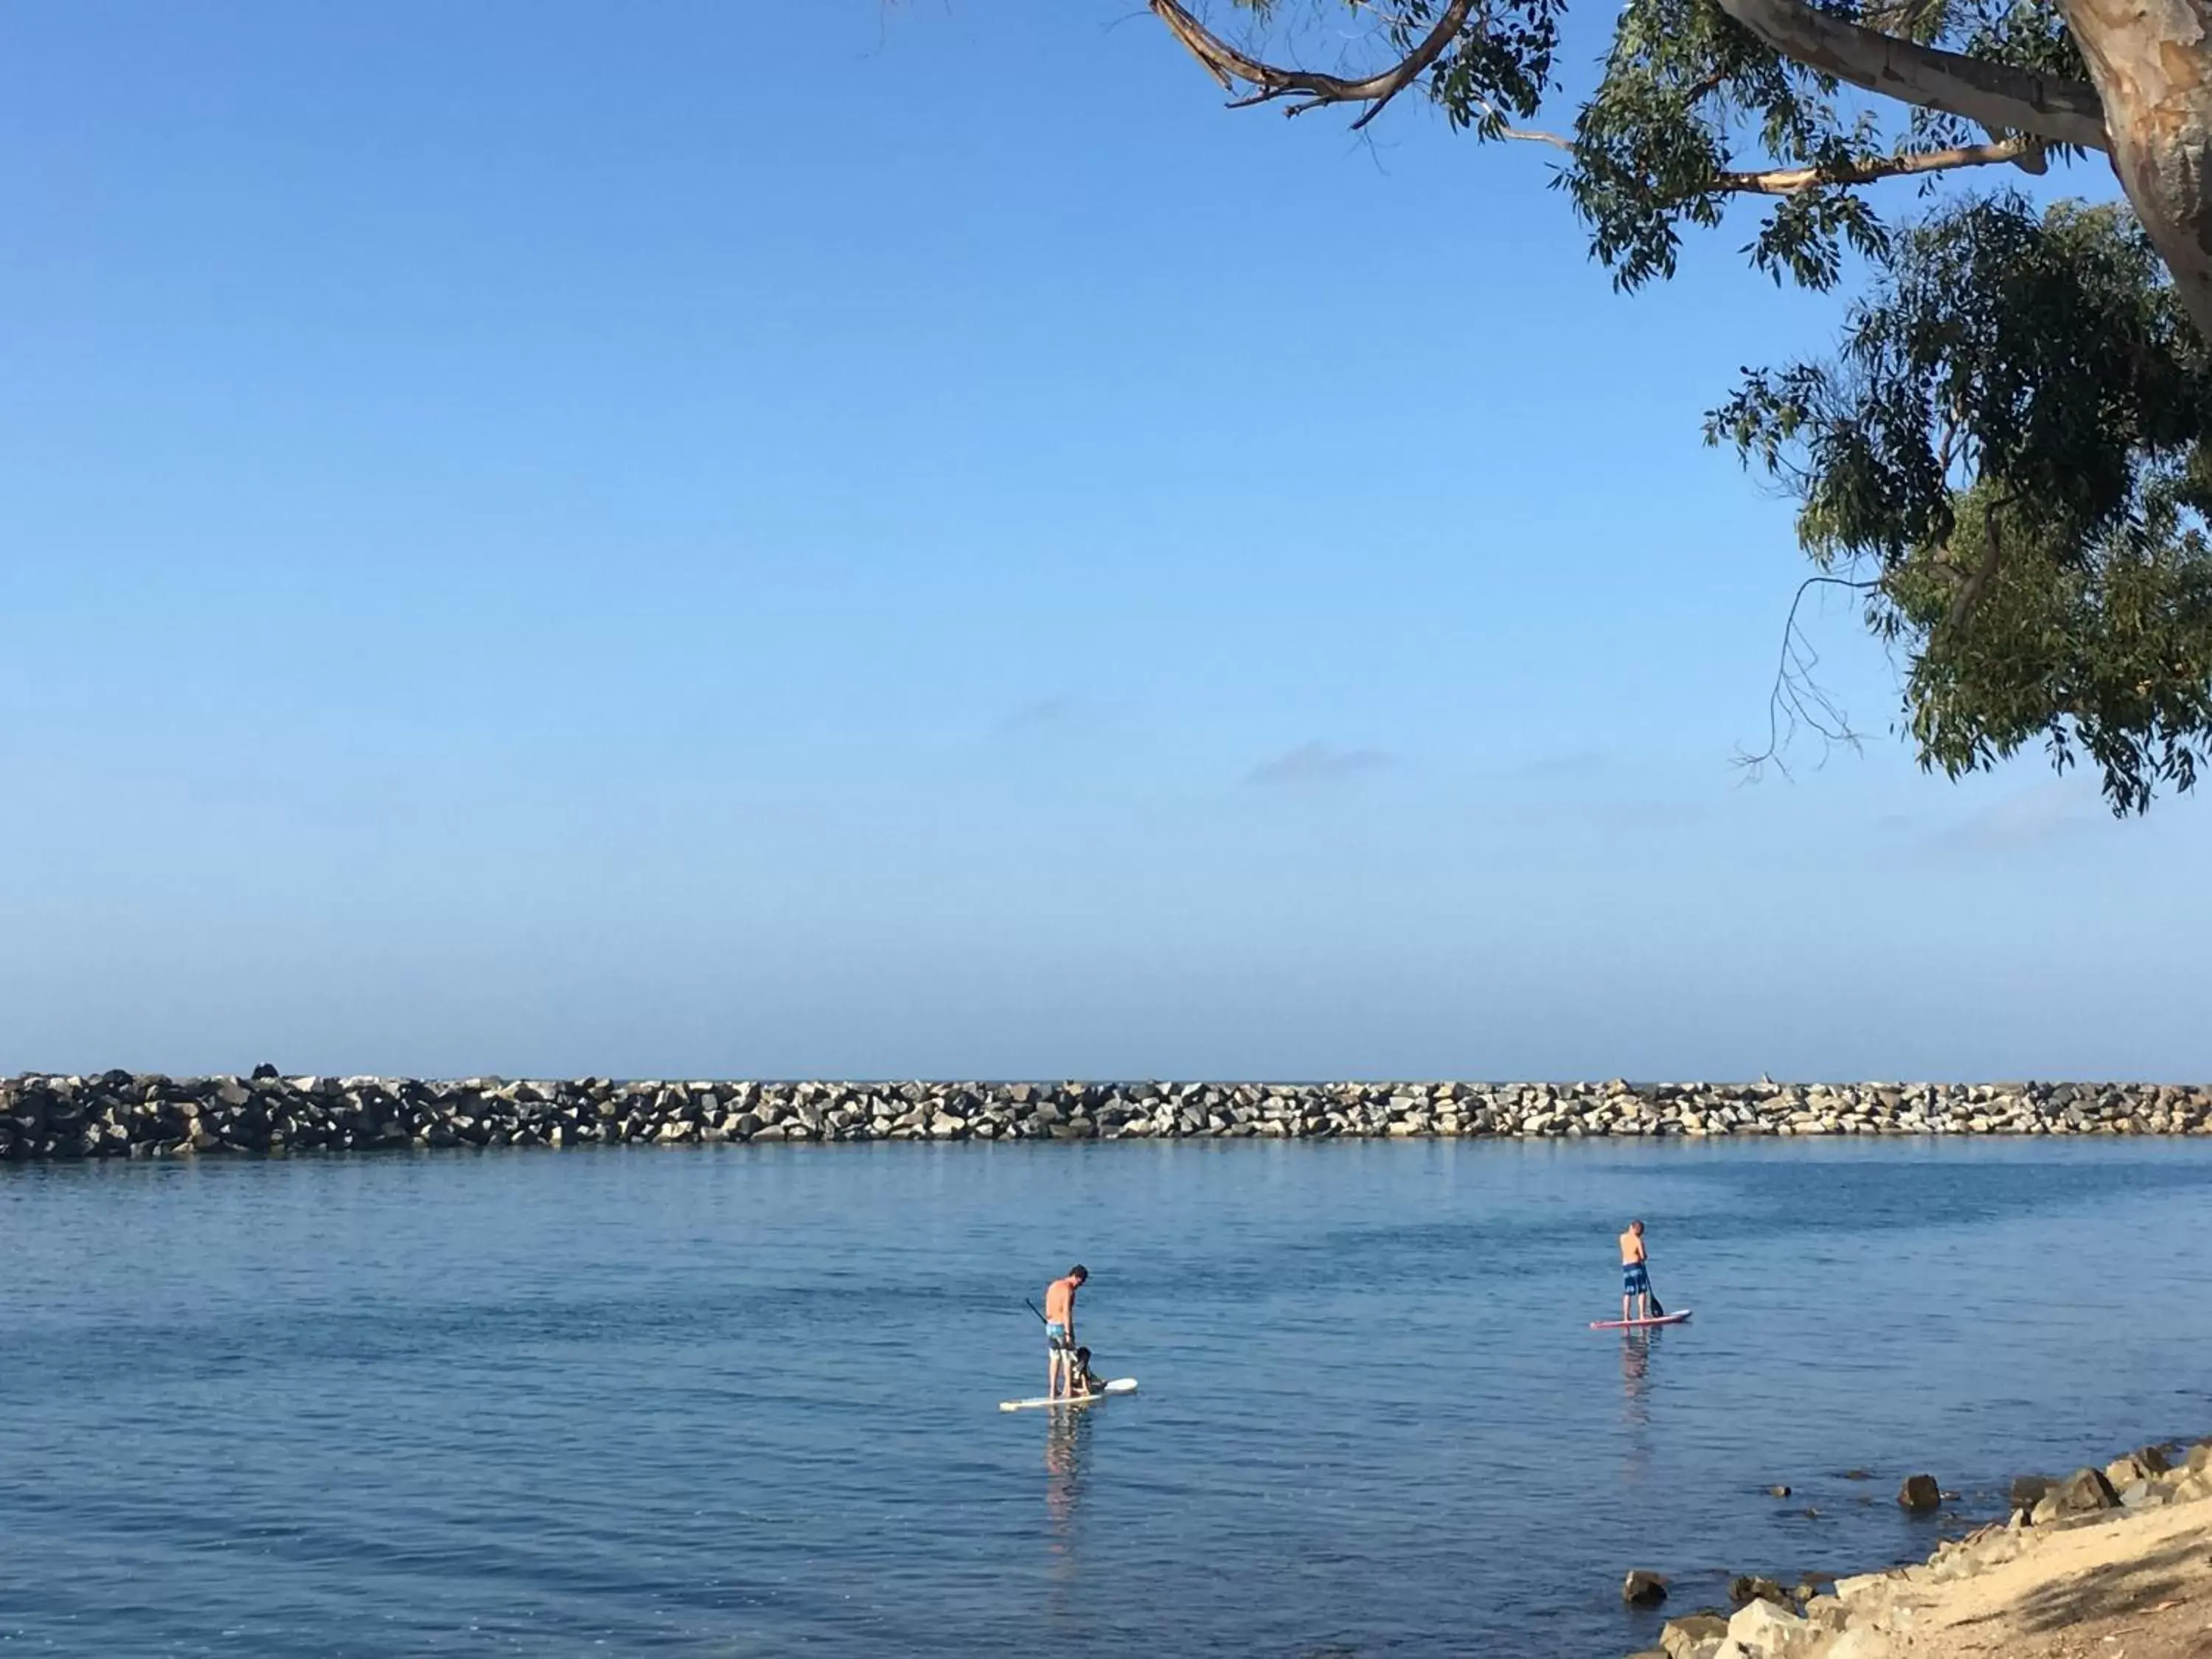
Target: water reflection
1065	1436
1637	1348
1636	1375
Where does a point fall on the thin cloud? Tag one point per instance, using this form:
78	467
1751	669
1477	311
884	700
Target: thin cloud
1041	713
2046	813
1572	763
1317	763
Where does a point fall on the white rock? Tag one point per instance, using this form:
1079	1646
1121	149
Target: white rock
1762	1630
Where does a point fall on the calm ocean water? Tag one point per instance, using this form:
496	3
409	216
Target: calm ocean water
742	1401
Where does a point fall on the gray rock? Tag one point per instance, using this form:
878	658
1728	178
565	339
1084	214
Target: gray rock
1745	1589
2124	1472
2027	1490
2084	1492
1692	1635
1920	1494
1762	1630
1643	1590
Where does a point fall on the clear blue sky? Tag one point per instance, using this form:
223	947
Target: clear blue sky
821	538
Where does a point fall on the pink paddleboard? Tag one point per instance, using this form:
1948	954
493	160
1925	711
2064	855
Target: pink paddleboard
1637	1324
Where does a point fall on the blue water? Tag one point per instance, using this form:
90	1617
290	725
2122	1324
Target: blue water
735	1401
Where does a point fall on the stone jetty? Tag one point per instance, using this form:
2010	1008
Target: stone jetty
134	1115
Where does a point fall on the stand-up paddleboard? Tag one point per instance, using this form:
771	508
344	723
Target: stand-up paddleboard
1119	1385
1638	1324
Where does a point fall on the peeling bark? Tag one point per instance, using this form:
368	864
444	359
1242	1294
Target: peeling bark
2152	63
1998	96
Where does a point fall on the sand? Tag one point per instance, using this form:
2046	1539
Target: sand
2139	1587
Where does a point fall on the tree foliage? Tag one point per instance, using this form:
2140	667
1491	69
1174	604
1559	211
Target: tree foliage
2006	456
2009	450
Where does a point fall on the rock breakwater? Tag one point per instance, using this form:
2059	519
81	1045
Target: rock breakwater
134	1114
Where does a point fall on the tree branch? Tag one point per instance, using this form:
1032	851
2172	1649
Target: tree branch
2026	152
1971	587
1997	95
1796	698
1231	67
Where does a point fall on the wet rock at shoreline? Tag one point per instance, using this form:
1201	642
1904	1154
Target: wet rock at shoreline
1643	1590
1920	1495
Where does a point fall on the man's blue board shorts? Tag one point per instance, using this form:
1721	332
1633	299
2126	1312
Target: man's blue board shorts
1055	1333
1635	1280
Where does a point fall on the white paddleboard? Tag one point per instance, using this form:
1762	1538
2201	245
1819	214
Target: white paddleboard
1119	1385
1638	1324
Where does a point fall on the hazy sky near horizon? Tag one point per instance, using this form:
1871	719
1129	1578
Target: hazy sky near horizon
883	541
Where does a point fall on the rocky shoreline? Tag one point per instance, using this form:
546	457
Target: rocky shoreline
134	1115
2000	1588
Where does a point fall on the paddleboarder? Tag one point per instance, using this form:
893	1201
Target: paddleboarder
1060	1331
1635	1276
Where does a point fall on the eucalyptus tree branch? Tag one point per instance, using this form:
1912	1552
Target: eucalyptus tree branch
1233	68
2025	152
1998	96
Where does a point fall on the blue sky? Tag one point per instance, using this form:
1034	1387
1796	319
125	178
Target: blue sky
888	541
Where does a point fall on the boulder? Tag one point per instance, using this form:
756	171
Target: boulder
2124	1472
1744	1589
2200	1456
1763	1630
1643	1590
1826	1612
1693	1637
2028	1490
2084	1492
1920	1494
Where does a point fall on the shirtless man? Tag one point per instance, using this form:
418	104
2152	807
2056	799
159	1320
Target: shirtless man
1635	1278
1060	1330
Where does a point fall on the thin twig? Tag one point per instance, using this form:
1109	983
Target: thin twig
1796	698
